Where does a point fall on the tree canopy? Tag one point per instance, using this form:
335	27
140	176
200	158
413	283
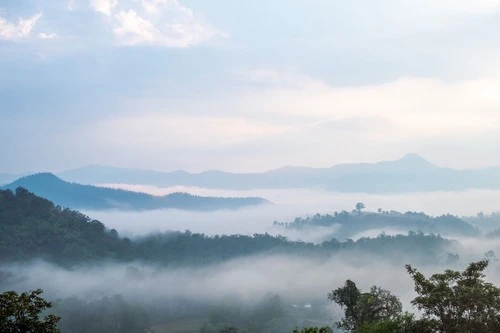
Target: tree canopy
22	313
451	302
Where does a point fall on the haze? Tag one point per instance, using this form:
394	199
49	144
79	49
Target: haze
220	166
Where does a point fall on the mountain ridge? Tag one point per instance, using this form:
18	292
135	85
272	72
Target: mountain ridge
410	173
74	195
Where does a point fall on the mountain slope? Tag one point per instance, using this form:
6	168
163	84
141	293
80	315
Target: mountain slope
80	196
33	228
408	174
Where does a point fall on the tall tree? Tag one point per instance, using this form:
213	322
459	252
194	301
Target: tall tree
364	308
360	206
458	302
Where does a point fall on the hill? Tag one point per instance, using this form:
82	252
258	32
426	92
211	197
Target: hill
408	174
346	225
90	197
32	227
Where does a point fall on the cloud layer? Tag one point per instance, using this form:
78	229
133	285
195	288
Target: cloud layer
21	29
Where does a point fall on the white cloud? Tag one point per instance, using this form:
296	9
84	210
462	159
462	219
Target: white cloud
132	29
43	35
166	23
23	28
153	6
104	6
416	106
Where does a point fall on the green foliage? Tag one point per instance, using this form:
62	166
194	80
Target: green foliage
456	301
32	227
22	313
361	309
314	330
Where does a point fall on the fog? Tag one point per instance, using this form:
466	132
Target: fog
297	279
287	205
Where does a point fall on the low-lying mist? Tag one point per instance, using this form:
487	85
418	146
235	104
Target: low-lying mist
287	205
296	279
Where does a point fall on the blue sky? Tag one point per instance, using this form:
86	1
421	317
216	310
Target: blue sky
247	85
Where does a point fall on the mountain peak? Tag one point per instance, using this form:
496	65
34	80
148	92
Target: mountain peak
414	158
42	176
413	162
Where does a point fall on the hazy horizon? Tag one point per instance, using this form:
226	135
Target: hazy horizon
316	142
173	84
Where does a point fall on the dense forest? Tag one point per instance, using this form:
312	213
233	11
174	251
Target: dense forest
352	223
77	196
33	227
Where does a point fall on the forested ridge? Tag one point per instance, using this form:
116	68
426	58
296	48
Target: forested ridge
32	227
356	221
79	196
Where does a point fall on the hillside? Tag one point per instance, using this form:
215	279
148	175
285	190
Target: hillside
408	174
79	196
346	225
32	227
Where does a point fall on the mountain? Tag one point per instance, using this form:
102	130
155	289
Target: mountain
32	228
408	174
80	196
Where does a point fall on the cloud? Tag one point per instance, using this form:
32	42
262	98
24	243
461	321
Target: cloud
415	106
104	6
167	23
160	131
43	35
23	28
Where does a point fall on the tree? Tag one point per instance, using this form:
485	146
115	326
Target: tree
22	313
314	330
364	308
360	206
458	302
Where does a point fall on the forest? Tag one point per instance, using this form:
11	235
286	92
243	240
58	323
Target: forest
34	228
40	243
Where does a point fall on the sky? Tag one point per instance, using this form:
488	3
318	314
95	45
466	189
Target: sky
247	85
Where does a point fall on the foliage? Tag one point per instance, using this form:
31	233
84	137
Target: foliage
456	301
314	330
32	227
360	206
353	223
364	308
22	313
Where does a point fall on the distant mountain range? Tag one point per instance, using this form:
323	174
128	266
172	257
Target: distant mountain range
408	174
411	173
79	196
